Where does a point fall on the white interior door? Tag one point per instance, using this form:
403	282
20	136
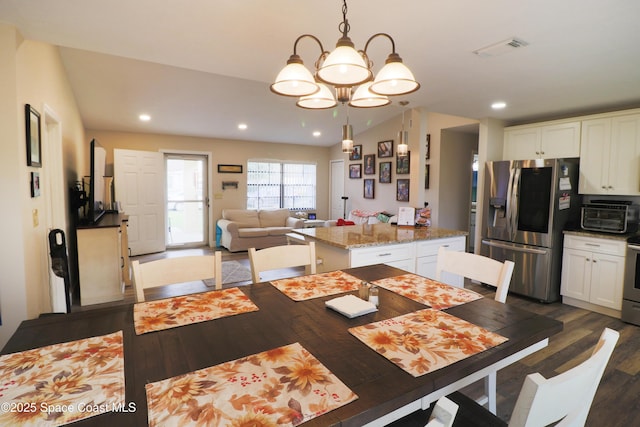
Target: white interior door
139	187
337	189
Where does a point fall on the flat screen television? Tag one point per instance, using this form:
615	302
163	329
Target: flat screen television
96	182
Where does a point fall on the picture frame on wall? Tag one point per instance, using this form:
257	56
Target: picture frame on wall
35	184
229	168
356	154
385	148
427	147
402	190
402	164
369	164
34	144
426	177
369	188
355	171
385	173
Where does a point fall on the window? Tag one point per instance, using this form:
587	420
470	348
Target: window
273	185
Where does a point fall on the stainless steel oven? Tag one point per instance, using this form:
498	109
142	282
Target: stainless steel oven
631	287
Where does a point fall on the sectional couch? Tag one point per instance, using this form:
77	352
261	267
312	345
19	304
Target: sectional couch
242	229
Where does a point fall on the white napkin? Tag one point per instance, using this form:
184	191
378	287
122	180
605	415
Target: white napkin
351	306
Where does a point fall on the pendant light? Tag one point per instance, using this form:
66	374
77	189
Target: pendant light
347	137
403	136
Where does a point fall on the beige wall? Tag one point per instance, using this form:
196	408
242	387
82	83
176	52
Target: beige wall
30	73
224	152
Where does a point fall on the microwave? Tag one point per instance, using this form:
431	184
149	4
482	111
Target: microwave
609	216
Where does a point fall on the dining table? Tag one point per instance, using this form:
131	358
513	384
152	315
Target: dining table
385	392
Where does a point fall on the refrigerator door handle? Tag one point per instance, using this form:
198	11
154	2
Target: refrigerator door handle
513	248
509	202
515	190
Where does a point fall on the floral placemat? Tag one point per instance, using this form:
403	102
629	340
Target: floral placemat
426	340
283	386
62	383
317	285
430	292
187	309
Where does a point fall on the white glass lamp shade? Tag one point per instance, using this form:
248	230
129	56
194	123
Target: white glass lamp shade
344	67
364	98
402	150
347	139
394	79
295	80
319	100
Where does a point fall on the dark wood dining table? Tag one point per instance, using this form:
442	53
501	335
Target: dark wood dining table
382	387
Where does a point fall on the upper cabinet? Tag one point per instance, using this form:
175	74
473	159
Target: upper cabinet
610	156
542	141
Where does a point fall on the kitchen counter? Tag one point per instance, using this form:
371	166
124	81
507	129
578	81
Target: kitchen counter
367	235
600	235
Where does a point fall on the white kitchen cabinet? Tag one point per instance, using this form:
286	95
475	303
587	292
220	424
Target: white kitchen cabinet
400	256
427	258
542	141
610	156
592	273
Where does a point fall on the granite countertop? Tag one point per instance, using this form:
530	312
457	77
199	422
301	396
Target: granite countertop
600	235
359	236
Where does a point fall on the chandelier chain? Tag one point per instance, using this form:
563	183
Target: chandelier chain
344	26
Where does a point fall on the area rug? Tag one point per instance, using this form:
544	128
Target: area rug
187	309
283	386
426	340
62	383
317	285
232	272
430	292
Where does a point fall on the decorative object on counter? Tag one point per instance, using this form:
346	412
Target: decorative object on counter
423	216
33	136
385	148
402	190
385	173
406	216
369	188
369	164
229	168
355	171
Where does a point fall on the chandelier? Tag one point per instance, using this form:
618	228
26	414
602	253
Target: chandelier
345	69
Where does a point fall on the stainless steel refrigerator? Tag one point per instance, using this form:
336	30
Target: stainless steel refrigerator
527	205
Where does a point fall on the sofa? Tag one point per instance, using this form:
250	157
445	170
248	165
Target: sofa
242	229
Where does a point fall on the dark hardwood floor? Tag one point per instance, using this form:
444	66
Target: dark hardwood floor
617	402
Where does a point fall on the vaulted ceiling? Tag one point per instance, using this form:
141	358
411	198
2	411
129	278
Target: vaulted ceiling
201	67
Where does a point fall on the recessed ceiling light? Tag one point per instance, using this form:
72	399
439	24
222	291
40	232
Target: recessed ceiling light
317	133
242	126
498	105
144	117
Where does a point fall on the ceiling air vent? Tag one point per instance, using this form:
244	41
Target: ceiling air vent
501	47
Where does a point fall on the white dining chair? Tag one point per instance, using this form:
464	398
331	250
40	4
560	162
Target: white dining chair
168	271
565	398
484	270
278	257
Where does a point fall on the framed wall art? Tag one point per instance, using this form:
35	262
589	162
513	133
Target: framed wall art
356	154
402	190
33	136
385	148
355	171
369	164
427	151
229	168
402	164
426	177
35	184
369	189
385	172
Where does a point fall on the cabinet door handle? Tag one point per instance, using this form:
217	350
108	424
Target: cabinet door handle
588	259
597	245
387	254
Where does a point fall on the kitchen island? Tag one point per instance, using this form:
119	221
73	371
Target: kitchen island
408	248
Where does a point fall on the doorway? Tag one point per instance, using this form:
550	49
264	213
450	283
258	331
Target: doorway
187	208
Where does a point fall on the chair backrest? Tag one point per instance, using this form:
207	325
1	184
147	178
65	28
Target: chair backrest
285	256
477	267
567	396
176	270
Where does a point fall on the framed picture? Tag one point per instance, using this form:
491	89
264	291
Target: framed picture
385	148
402	164
355	171
229	168
402	190
385	172
427	150
35	184
369	164
33	136
426	177
356	154
369	190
